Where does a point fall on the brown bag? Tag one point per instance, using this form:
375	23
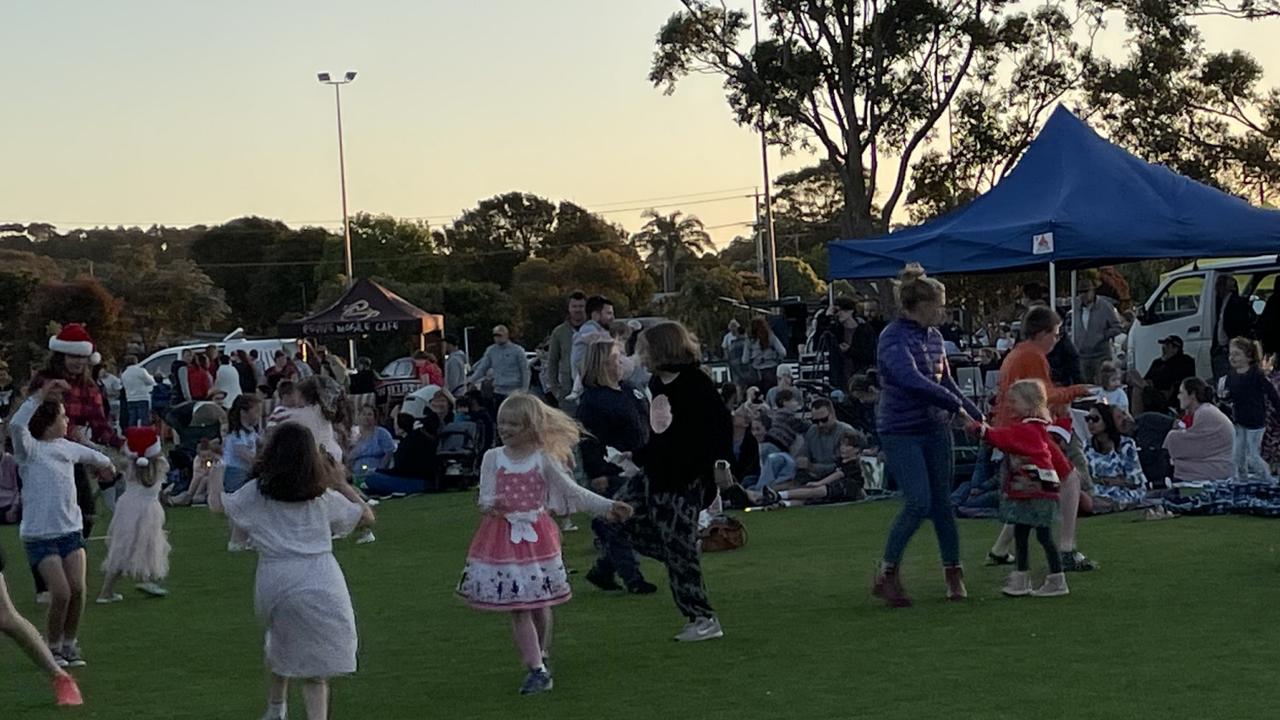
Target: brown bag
724	533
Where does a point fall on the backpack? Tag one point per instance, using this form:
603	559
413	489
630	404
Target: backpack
724	533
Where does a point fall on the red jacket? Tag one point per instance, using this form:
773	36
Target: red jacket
199	381
1031	455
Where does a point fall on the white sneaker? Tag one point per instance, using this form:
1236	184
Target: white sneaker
365	538
42	598
152	589
701	629
113	598
1018	584
373	502
1055	585
568	526
233	546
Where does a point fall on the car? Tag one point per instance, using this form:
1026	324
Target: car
1183	304
159	362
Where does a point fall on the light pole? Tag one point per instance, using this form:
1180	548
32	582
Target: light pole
342	179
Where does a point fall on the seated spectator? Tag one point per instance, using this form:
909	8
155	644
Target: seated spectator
442	404
858	408
754	402
789	415
371	448
746	447
729	396
777	464
1158	389
785	382
208	461
413	469
1113	390
843	484
820	455
1200	450
364	384
1118	482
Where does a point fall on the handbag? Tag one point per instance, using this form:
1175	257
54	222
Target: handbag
724	533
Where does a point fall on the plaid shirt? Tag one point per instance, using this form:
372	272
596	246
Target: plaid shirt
83	405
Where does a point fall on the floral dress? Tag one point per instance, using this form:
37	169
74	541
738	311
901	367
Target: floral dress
1120	462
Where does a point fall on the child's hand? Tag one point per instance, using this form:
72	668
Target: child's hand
54	389
620	512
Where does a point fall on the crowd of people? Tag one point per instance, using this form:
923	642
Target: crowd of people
622	422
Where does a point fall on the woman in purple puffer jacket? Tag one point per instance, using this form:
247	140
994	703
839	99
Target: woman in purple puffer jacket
919	400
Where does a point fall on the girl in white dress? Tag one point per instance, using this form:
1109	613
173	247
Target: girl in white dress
514	562
136	543
291	513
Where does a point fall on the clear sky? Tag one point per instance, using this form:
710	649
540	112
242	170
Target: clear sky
181	112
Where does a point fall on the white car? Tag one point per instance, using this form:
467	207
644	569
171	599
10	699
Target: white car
159	362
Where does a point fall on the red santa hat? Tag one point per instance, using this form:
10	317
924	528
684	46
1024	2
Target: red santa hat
141	444
1062	428
72	339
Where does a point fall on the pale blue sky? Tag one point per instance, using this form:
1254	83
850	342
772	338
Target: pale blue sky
178	111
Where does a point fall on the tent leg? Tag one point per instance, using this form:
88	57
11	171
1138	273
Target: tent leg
1053	285
351	352
1075	310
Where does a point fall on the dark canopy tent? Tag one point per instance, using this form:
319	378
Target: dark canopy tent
366	310
1076	200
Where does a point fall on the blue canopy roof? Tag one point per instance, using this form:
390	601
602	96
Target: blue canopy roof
1074	198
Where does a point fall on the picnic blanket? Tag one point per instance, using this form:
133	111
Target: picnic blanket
1223	498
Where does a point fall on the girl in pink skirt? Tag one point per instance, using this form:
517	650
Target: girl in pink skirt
514	563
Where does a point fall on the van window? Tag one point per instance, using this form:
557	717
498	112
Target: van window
160	364
1180	299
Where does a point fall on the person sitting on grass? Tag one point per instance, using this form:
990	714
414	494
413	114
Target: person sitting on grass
1200	449
820	455
843	484
785	382
208	461
1119	483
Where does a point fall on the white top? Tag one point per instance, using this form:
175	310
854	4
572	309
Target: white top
284	530
564	496
310	417
235	445
228	381
137	383
111	387
49	505
1116	398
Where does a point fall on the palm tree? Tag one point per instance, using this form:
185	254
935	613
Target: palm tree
669	238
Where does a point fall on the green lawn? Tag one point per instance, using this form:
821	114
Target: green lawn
1180	623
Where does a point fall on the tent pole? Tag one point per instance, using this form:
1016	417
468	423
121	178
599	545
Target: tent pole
1075	309
1053	285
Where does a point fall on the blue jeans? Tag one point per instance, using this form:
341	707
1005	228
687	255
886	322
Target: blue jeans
777	469
137	413
923	466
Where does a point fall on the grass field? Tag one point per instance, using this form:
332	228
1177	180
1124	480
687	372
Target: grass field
1180	623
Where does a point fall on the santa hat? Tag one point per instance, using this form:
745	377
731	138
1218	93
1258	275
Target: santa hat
141	444
1062	428
72	339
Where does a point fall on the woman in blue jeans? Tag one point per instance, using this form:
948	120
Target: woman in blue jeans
918	402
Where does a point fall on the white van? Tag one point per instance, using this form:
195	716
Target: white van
158	363
1183	305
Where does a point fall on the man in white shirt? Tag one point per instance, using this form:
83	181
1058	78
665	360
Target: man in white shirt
137	393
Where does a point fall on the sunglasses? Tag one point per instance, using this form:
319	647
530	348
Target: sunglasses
1093	418
821	421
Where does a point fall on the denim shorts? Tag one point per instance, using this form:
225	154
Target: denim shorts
60	546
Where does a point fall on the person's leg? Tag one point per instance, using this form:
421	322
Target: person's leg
676	518
1003	546
543	622
73	566
904	458
526	637
277	697
941	466
1045	536
1021	537
55	578
1253	454
804	493
109	586
25	634
1239	454
1069	505
315	697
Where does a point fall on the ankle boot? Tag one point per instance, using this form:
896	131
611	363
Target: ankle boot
1055	585
888	586
1017	584
955	583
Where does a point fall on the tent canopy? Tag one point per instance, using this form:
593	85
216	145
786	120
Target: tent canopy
1077	200
366	308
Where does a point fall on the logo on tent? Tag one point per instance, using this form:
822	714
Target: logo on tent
359	310
1042	244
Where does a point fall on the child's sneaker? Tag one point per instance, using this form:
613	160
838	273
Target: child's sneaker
1055	585
537	681
152	589
42	598
233	546
365	538
1018	584
65	691
72	656
109	599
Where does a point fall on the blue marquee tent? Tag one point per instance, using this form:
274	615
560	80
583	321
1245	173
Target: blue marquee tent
1076	200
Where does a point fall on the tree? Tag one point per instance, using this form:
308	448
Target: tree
669	239
489	240
83	300
383	246
540	286
702	303
234	255
861	82
162	303
576	227
796	277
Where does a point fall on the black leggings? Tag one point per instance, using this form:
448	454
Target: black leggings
1022	537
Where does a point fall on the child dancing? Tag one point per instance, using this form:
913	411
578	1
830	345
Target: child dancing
291	512
1029	497
514	562
136	543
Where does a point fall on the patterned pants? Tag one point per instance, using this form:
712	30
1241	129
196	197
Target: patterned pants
665	528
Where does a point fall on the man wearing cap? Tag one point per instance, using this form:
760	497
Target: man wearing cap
1160	385
507	364
1093	329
